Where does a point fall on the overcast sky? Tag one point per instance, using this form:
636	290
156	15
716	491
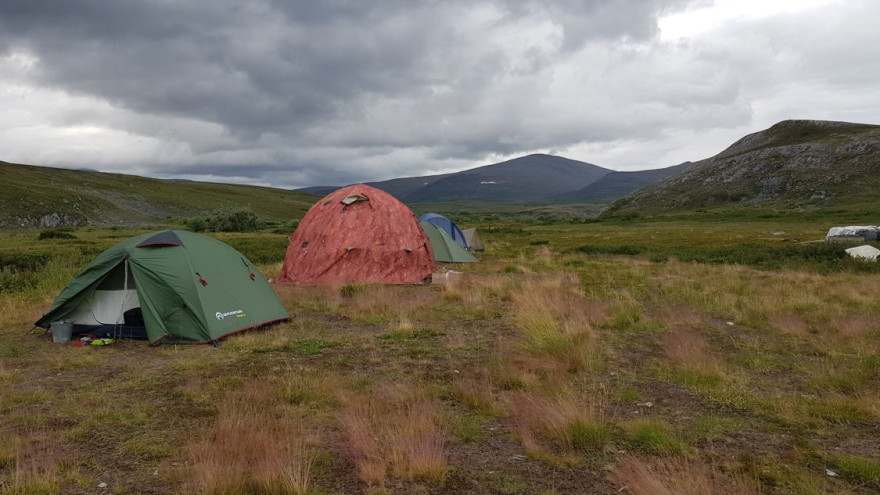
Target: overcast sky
298	93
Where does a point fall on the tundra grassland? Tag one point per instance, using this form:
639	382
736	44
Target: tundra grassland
665	357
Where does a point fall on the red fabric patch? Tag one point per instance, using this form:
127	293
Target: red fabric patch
370	242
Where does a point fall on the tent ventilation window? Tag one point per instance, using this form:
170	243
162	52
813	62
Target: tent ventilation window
354	198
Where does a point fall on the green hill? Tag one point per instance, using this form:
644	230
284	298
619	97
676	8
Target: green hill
794	164
47	197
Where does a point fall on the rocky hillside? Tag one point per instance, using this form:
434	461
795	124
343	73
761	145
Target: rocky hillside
794	163
49	197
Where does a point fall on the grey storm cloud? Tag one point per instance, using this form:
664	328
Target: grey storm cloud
304	92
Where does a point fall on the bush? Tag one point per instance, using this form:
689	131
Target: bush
235	220
232	220
18	271
55	234
287	228
197	224
19	262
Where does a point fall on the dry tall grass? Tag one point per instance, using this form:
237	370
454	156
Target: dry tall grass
674	476
388	303
689	349
479	394
557	323
566	423
394	430
30	464
790	323
478	290
251	448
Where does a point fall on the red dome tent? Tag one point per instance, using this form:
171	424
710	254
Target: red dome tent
358	234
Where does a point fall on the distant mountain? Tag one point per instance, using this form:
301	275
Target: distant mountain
406	186
526	179
793	163
317	190
531	178
616	185
47	197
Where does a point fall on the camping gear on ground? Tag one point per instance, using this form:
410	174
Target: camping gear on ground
864	252
447	226
853	233
61	330
445	249
474	240
358	234
173	286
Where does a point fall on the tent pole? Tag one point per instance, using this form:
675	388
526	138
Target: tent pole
118	328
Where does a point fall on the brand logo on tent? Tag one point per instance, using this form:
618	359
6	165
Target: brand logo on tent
237	313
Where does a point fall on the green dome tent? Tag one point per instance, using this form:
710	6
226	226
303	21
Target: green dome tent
175	286
445	249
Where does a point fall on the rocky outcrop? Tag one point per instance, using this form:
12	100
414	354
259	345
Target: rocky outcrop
792	162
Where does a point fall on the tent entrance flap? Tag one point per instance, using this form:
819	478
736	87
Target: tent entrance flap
113	309
110	300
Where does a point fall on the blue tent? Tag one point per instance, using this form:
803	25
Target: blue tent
447	226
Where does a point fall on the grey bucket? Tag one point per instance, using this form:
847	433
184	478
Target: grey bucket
61	330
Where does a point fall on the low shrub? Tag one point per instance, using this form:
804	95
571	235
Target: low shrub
231	220
235	220
818	257
55	234
21	262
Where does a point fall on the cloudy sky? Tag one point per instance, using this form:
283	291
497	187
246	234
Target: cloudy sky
300	92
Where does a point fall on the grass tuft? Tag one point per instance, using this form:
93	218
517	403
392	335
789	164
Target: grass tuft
251	450
570	424
394	431
653	436
864	470
676	476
